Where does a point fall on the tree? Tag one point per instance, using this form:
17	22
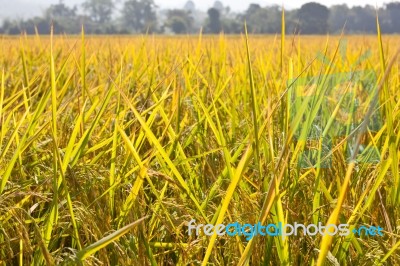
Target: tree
218	6
60	10
313	18
362	19
292	21
100	11
214	21
393	10
190	6
139	15
338	15
10	27
61	15
251	10
179	21
232	26
263	20
248	16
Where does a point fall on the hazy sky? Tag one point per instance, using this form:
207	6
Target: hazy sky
29	8
242	5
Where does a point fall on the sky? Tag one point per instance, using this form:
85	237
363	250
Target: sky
29	8
239	5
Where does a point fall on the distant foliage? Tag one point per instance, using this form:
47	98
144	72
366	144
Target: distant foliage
139	16
143	16
313	18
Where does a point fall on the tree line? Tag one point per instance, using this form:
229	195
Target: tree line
143	16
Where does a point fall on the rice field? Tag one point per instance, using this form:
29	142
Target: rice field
109	146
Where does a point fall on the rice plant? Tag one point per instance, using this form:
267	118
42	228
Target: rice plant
109	146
